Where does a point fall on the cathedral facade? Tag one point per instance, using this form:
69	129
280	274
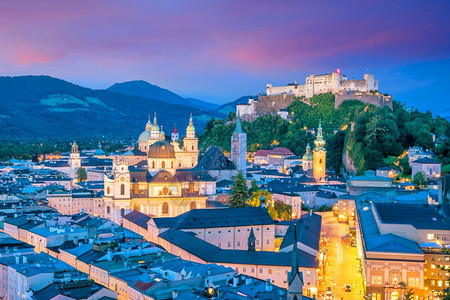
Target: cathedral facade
165	184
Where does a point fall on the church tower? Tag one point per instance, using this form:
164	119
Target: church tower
175	134
320	156
239	148
295	277
307	159
190	144
75	160
154	132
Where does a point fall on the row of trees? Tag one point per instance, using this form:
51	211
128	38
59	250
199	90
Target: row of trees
242	196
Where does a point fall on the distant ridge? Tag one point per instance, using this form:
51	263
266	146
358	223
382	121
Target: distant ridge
147	90
43	107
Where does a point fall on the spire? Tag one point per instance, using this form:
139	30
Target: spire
155	122
294	268
154	127
238	128
175	130
162	135
190	129
251	241
319	142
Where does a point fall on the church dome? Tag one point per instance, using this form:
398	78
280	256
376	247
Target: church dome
308	157
144	136
161	149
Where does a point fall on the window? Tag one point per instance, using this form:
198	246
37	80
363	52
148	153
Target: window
165	208
376	279
192	147
153	164
122	212
257	242
108	210
171	164
108	190
194	206
430	236
413	281
219	245
270	271
238	243
163	164
122	189
229	244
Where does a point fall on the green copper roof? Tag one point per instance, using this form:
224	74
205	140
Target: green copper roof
238	127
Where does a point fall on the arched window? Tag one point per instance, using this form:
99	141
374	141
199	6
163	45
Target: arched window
153	164
122	189
122	212
165	208
192	147
171	164
163	164
108	210
108	190
193	205
320	161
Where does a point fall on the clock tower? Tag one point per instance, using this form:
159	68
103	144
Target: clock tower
319	156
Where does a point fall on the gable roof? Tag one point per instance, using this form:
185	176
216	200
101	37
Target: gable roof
214	159
138	218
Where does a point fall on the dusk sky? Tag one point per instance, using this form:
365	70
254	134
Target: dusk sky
219	51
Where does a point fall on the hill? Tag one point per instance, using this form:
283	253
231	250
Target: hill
42	107
147	90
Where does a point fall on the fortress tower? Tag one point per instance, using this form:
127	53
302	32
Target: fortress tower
319	156
239	148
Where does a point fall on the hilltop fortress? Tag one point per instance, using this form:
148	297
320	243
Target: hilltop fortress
278	98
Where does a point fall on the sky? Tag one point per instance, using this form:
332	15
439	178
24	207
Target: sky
218	51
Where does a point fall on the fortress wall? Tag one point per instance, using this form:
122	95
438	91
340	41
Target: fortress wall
273	103
355	85
378	100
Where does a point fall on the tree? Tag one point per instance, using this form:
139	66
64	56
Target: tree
424	139
419	179
81	174
239	191
253	187
255	201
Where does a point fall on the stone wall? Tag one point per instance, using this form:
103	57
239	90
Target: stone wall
375	99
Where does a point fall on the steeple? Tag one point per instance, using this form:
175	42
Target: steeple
175	135
148	126
251	241
162	135
238	128
319	142
295	277
262	201
190	129
155	126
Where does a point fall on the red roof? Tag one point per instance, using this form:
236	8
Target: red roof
143	286
175	129
262	152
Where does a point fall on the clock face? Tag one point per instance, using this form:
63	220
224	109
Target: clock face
122	178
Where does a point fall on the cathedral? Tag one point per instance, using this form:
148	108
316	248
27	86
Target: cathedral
164	183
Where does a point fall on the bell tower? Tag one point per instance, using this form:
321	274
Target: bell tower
190	145
319	156
75	160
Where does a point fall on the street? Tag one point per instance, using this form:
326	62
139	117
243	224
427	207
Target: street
341	263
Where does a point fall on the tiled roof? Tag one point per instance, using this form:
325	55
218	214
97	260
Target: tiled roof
138	218
308	231
211	253
426	160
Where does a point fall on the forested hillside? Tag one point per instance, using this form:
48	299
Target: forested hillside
378	132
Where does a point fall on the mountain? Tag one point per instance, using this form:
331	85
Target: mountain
231	106
42	107
147	90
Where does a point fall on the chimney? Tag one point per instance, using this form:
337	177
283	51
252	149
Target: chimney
17	259
174	294
235	280
24	258
208	271
109	255
248	280
268	285
127	252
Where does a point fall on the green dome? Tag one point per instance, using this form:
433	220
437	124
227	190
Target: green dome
144	136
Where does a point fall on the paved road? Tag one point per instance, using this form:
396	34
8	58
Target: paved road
342	266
